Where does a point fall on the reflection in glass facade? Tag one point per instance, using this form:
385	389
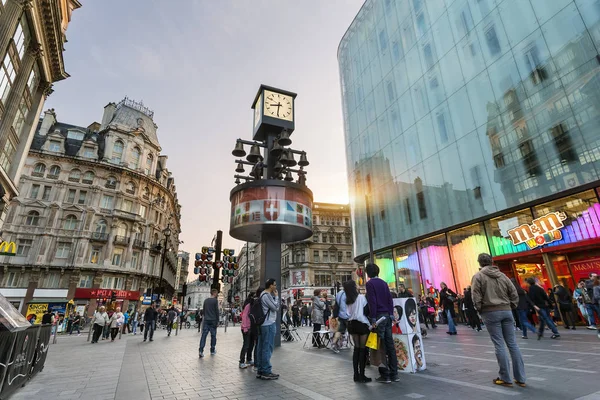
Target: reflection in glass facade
457	109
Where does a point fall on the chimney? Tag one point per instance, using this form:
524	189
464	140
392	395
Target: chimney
109	112
163	161
47	122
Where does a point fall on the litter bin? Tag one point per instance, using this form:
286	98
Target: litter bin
23	348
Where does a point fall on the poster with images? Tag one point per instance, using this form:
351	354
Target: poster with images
402	352
35	312
406	316
417	352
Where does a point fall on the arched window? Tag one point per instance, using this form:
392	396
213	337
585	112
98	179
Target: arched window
33	218
39	169
136	154
70	222
122	230
130	187
111	182
117	154
75	175
146	193
101	226
88	177
149	161
54	172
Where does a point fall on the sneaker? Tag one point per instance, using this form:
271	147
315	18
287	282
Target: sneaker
79	334
592	327
144	340
243	366
214	352
524	337
555	336
395	378
259	376
269	377
382	379
335	349
250	362
201	354
152	340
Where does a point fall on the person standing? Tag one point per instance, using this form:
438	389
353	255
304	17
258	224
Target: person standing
541	303
98	322
342	317
593	310
494	296
247	345
304	313
470	310
269	301
358	327
381	306
75	324
326	309
317	318
296	314
150	321
564	300
125	326
135	316
447	298
116	322
211	321
171	315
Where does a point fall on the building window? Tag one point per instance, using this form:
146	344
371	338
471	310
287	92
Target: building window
344	277
338	238
316	256
75	175
324	238
347	221
35	189
101	226
71	196
63	249
33	218
135	258
85	281
142	211
116	258
88	177
348	239
135	158
113	282
89	152
340	257
325	256
39	170
23	247
149	161
95	255
135	284
7	76
54	146
349	256
130	188
107	202
111	182
322	279
75	135
82	197
54	172
12	279
117	154
46	194
127	205
492	41
151	264
19	39
53	280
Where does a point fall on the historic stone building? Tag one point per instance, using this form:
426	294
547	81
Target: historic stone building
32	39
96	213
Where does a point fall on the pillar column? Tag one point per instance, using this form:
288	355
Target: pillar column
110	244
13	9
34	278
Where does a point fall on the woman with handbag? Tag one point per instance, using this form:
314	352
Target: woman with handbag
447	298
358	327
116	321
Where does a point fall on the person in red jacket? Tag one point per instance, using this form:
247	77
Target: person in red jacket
248	345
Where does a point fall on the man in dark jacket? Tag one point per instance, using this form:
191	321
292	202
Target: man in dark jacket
541	303
470	310
150	321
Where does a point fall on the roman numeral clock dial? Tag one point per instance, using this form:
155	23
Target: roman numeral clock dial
278	105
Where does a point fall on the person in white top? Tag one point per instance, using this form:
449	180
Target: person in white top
358	327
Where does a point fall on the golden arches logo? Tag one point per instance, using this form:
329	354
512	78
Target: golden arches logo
8	248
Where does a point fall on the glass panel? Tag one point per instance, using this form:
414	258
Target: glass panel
498	236
518	19
385	262
462	117
407	268
435	262
466	244
544	9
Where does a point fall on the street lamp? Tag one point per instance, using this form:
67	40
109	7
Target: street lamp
166	232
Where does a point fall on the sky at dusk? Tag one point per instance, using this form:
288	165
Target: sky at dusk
198	65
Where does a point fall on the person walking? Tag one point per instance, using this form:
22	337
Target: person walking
135	317
116	322
381	306
304	314
592	309
447	298
494	296
211	321
75	324
317	318
247	344
596	294
431	309
541	303
564	300
150	317
358	327
270	303
296	314
341	308
470	310
98	322
171	315
524	307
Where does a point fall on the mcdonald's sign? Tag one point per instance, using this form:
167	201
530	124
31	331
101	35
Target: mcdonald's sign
8	248
541	231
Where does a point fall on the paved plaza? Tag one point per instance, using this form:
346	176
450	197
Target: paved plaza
459	367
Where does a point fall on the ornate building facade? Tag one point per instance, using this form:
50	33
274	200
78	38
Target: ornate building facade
32	38
97	212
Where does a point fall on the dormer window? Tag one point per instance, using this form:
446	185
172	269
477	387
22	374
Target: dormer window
54	146
89	152
75	135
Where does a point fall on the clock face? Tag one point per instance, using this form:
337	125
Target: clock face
257	110
278	105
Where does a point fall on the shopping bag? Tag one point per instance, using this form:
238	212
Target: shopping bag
372	341
378	357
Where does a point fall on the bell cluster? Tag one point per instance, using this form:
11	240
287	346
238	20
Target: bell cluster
283	168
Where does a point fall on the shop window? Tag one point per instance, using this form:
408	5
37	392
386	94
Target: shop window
435	262
407	267
499	239
465	244
385	263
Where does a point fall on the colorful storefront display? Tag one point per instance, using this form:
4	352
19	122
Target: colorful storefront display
562	234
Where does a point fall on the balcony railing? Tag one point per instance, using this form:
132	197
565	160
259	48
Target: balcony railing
87	181
121	240
38	174
49	176
99	236
139	243
111	185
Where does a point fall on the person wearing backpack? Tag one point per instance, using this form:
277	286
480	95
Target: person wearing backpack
340	311
265	316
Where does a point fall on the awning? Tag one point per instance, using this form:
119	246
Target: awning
49	300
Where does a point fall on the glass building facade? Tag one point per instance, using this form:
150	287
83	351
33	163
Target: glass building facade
465	119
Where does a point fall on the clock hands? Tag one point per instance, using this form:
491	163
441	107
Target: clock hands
278	106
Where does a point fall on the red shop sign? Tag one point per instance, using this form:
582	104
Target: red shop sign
82	293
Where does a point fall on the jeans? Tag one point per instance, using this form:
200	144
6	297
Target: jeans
267	342
525	324
451	326
134	325
591	308
258	349
545	319
384	330
246	353
74	327
209	326
150	326
97	332
500	326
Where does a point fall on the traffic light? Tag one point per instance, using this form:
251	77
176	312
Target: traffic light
184	290
113	296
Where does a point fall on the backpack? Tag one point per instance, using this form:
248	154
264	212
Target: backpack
257	315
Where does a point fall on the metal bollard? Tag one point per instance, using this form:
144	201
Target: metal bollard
90	331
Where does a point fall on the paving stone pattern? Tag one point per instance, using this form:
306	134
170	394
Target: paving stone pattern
459	367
